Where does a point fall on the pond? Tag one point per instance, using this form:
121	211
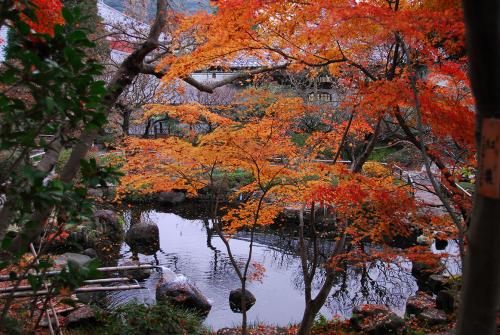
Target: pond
280	301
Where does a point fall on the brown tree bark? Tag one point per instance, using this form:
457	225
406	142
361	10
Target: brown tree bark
480	296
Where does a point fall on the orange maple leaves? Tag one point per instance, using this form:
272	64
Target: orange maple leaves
48	14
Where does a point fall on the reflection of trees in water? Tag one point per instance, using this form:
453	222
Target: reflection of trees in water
375	282
372	282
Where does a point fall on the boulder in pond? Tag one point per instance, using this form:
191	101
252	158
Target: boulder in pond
95	193
143	238
235	300
376	320
179	291
171	198
404	241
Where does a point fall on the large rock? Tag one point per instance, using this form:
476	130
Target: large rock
171	198
438	283
80	317
445	301
236	297
179	291
138	274
423	273
70	257
404	241
94	298
376	320
432	317
143	238
45	323
90	252
106	225
419	303
109	224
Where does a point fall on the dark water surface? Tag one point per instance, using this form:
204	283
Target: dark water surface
280	300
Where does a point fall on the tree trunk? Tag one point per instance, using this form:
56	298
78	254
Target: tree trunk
481	285
126	121
358	163
307	320
244	322
146	130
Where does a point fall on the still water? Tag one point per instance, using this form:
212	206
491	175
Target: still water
280	301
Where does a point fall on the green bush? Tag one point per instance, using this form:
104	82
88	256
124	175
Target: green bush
162	318
381	155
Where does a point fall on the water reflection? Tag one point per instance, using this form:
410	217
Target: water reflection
190	248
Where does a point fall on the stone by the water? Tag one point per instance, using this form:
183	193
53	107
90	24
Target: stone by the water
418	303
445	301
143	238
181	292
376	320
137	274
236	297
80	317
79	259
432	317
90	252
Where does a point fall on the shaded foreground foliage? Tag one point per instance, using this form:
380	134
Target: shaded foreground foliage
162	318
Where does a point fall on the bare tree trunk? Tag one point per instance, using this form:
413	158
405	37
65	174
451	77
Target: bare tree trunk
126	120
146	130
313	306
307	320
481	285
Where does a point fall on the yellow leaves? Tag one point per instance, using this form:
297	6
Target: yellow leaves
376	169
255	212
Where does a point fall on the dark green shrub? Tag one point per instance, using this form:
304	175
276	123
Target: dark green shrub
162	318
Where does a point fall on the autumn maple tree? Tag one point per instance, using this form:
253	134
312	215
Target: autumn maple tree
257	135
401	67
